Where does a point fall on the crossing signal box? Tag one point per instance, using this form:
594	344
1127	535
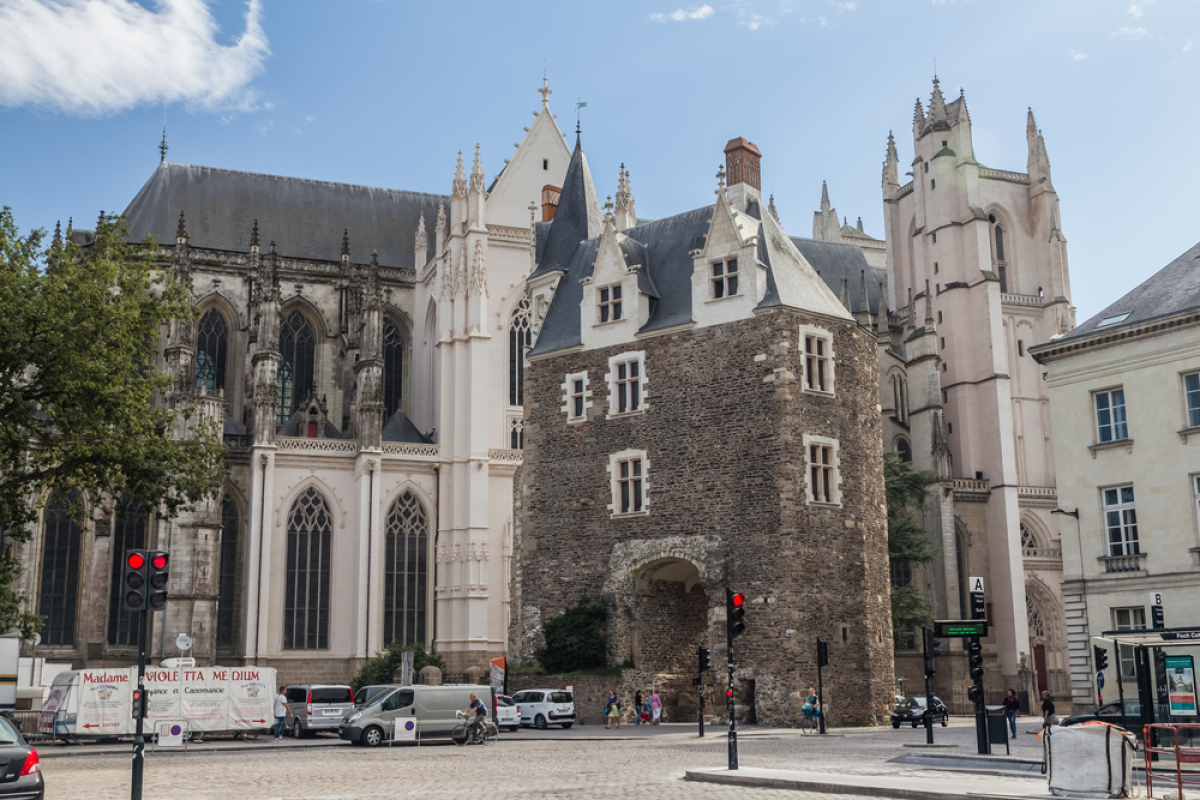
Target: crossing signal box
133	580
933	649
1101	657
139	703
159	563
822	653
735	613
975	658
702	657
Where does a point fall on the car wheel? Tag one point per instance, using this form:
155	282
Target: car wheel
539	722
372	736
567	725
945	719
895	724
296	731
914	725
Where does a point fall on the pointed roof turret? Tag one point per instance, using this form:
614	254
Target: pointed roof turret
254	236
1038	164
578	216
772	209
824	196
477	176
918	119
937	104
459	187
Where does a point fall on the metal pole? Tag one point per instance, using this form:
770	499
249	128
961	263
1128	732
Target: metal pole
927	716
733	754
139	741
1121	687
820	692
701	710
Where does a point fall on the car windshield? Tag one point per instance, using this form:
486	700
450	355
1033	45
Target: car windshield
502	700
8	734
908	703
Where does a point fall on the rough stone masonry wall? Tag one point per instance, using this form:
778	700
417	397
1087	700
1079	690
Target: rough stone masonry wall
723	431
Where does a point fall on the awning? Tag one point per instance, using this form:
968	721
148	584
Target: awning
1162	637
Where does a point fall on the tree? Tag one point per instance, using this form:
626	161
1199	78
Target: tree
380	668
79	374
576	639
907	545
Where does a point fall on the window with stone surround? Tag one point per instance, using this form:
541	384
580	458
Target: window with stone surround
1111	423
212	347
1120	521
610	303
577	397
1195	479
626	384
306	588
1128	619
1191	397
822	480
628	482
724	278
816	348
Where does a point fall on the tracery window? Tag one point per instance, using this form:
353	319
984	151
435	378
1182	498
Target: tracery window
1028	540
520	338
227	577
1037	628
212	344
62	535
297	348
393	369
306	593
130	531
405	571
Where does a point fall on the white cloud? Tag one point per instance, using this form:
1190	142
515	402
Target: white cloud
97	57
264	126
1125	32
1138	6
843	5
1078	56
1187	46
679	15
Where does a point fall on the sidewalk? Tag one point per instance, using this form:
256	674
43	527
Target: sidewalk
962	787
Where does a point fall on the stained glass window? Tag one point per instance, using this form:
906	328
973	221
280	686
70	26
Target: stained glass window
405	571
306	594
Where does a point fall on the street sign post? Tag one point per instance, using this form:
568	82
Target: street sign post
975	660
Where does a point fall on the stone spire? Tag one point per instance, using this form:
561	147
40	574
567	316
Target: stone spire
928	308
863	299
420	245
162	148
918	120
477	195
254	237
824	197
439	231
477	177
772	209
1038	162
459	186
937	106
626	217
891	164
845	296
56	243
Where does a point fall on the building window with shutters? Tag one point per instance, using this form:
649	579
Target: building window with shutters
816	352
822	480
628	482
577	397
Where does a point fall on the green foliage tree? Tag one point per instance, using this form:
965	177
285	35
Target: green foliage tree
907	545
79	373
577	639
380	668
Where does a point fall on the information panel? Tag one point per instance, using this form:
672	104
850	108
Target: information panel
960	628
1181	685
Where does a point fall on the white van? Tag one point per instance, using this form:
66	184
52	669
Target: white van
543	707
433	706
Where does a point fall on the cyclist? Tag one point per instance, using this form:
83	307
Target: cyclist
812	706
476	713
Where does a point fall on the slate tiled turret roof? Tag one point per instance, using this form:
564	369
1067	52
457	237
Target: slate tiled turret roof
305	217
838	261
577	218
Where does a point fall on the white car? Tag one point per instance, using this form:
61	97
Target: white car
507	717
544	707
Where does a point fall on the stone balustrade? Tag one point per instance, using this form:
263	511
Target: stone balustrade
1124	564
1003	175
1031	300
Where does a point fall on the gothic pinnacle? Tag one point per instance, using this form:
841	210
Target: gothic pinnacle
346	242
771	207
928	307
824	196
58	233
254	234
181	231
881	319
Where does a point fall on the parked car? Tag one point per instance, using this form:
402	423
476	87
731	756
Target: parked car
22	775
435	706
543	707
369	694
911	710
507	717
317	708
1111	712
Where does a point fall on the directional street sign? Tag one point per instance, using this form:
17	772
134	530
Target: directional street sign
1099	680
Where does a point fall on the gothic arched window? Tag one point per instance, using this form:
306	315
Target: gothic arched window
306	594
297	348
61	539
212	342
227	576
999	243
393	369
1037	627
905	450
520	337
130	531
405	571
1028	538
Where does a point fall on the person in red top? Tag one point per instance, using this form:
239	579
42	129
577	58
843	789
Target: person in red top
1012	707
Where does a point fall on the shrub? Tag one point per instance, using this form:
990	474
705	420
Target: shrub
380	668
577	639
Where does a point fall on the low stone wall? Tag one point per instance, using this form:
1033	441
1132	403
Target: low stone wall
591	693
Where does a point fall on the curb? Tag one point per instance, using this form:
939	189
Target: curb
824	787
83	751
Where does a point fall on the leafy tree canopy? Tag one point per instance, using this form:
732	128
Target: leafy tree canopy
79	369
907	544
379	669
577	639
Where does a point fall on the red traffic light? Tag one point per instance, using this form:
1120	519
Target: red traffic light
136	561
729	692
739	600
160	561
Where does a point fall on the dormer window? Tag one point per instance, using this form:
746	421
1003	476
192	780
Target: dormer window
610	303
724	278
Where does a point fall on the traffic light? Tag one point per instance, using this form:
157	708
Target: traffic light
933	649
695	681
702	654
975	693
158	579
935	646
133	580
975	658
735	613
822	653
139	703
1101	657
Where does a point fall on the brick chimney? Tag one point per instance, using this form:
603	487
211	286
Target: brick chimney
550	197
741	163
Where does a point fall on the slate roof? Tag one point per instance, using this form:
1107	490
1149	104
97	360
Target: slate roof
298	418
304	217
578	216
400	429
1172	290
835	261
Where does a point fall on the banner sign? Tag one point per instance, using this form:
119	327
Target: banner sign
1181	685
497	676
105	701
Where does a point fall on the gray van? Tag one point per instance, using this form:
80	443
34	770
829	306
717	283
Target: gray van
434	706
317	708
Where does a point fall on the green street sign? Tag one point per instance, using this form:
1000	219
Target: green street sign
960	628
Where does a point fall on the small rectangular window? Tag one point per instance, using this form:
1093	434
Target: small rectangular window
1020	347
577	397
815	363
939	318
935	268
724	278
1120	521
933	185
935	237
1111	424
1191	388
545	163
629	485
610	303
820	478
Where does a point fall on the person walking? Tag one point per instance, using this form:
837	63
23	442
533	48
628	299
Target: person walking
612	710
655	708
1012	707
282	712
1048	716
637	707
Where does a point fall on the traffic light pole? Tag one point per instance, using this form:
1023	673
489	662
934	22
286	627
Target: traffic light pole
928	715
733	754
139	741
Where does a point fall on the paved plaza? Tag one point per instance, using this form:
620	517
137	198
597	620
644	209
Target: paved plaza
584	762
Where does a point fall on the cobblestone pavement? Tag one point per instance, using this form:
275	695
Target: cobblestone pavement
525	764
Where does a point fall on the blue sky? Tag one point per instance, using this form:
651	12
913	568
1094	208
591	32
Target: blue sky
384	92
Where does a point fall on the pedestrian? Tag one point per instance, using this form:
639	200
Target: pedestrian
612	710
282	712
1048	716
637	707
655	708
1012	707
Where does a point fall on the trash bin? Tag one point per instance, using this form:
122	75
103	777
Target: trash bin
997	728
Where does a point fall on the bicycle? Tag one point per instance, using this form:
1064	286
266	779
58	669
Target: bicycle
810	720
464	733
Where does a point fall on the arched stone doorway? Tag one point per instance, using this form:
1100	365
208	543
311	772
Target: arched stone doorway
668	617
